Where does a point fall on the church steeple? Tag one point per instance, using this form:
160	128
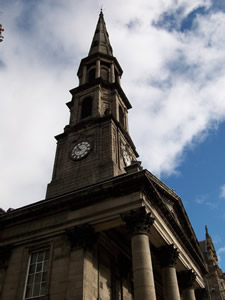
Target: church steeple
100	42
100	62
96	144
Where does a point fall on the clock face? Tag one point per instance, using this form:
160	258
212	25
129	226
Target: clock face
81	150
126	158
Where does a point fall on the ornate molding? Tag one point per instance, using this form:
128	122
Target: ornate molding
186	279
82	236
168	256
5	253
138	221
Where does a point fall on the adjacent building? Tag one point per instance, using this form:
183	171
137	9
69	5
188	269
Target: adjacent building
215	279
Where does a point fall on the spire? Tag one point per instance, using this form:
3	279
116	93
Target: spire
100	42
207	235
206	231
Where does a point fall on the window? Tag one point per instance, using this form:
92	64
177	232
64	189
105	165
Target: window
86	107
37	273
121	116
91	75
105	74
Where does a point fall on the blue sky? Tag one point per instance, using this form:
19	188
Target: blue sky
172	54
200	183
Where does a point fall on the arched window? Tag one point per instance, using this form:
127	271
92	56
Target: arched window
105	74
121	116
91	75
86	108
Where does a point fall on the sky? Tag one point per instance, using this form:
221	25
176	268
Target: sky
172	54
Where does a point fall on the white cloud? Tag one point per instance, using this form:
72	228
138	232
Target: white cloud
222	191
217	239
175	82
204	200
221	250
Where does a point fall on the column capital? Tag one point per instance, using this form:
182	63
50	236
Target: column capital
168	256
186	279
138	220
82	236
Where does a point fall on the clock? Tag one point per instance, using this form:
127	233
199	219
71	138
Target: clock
81	150
126	158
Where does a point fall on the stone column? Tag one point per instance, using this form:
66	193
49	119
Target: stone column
112	73
118	79
168	257
186	280
139	222
80	274
84	75
98	69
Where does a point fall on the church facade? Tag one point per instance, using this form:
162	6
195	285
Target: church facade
108	229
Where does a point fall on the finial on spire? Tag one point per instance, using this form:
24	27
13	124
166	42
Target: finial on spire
206	230
101	10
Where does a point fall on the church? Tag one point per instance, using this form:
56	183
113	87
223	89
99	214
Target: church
108	229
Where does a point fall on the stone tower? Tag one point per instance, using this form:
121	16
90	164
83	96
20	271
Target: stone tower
96	144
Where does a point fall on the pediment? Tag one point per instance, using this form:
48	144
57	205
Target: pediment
170	205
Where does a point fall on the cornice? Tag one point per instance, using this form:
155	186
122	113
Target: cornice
124	184
112	187
104	84
96	56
